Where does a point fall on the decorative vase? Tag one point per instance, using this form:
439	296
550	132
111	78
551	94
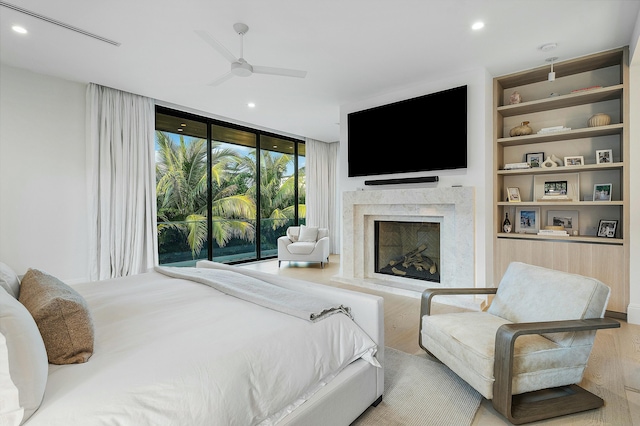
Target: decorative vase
599	119
515	98
521	130
506	225
556	160
548	163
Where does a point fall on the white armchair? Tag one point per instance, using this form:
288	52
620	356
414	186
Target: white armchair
304	244
527	352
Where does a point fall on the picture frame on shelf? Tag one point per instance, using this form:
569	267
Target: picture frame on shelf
555	188
551	187
569	219
576	160
513	195
534	159
602	192
604	156
527	220
607	228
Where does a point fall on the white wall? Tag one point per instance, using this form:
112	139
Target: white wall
43	201
480	157
633	310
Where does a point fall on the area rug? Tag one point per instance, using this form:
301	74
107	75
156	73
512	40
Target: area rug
421	392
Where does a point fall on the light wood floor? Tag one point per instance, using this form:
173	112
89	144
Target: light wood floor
613	372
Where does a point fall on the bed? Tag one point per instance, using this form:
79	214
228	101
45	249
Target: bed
197	346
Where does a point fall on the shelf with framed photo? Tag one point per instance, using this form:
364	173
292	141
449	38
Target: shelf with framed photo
590	239
560	187
513	195
602	192
527	220
574	160
591	167
588	175
607	228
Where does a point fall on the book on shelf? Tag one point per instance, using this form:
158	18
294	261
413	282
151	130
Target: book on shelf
512	166
554	198
552	232
553	129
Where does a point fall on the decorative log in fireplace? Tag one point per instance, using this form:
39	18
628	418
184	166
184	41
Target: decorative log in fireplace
416	259
414	264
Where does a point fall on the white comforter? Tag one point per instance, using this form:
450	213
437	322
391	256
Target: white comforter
174	352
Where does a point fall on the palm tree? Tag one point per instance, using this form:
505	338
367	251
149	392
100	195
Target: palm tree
277	190
181	187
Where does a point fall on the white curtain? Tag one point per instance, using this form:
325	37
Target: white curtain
321	171
121	183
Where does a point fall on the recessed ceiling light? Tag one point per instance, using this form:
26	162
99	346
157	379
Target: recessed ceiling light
548	46
183	124
19	29
251	105
477	26
179	130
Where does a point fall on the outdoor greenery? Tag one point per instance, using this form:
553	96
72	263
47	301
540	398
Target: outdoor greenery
181	189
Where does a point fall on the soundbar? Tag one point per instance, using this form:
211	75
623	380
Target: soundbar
402	180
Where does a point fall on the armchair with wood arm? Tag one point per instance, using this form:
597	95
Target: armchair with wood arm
528	351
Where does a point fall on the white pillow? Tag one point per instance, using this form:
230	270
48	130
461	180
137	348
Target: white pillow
308	234
293	232
9	280
11	413
28	365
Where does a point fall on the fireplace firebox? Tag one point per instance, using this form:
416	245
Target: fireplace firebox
408	249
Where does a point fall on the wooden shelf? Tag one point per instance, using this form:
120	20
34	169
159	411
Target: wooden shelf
587	132
562	169
563	101
568	238
563	69
562	203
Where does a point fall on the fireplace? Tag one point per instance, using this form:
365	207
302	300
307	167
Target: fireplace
408	249
451	208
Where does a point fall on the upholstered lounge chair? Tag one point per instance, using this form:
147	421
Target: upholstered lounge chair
304	244
528	351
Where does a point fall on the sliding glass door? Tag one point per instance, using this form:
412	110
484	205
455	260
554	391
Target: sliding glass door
280	205
225	192
233	200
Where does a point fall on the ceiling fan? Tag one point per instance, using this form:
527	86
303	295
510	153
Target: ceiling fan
239	66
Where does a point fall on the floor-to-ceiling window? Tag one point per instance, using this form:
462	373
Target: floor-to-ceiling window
225	192
281	189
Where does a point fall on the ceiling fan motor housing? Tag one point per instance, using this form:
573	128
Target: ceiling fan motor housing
241	68
241	28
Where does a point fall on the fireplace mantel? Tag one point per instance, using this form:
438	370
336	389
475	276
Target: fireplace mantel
452	207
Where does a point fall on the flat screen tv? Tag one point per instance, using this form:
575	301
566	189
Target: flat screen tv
425	133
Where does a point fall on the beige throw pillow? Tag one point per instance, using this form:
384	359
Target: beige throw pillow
62	316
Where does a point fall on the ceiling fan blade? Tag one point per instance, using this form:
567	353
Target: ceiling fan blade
279	71
221	79
216	45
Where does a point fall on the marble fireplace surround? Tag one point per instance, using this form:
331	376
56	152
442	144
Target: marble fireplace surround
452	207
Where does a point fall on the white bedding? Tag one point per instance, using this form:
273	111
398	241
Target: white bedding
170	351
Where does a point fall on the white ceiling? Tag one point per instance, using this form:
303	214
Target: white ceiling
351	49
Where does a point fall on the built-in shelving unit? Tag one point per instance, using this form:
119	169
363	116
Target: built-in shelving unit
584	86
